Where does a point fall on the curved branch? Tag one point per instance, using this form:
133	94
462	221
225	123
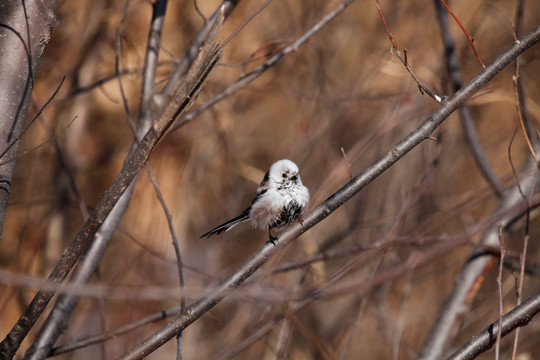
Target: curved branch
421	133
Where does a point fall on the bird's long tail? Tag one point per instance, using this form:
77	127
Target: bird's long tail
229	224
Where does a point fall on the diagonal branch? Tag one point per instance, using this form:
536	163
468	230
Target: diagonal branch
471	40
225	8
421	133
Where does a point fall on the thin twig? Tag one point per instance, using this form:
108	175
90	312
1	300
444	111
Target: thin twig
40	111
519	112
46	142
246	21
471	40
65	167
92	340
196	6
423	89
176	245
347	161
118	48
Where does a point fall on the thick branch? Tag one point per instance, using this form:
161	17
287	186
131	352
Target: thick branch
25	28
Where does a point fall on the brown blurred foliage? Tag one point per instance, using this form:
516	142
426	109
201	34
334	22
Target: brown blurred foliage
343	88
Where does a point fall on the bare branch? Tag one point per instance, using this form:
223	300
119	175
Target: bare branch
403	58
176	244
25	29
146	107
118	47
226	7
92	340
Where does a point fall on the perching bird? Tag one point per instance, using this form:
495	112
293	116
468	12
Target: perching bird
281	198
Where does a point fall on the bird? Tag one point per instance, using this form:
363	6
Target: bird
281	198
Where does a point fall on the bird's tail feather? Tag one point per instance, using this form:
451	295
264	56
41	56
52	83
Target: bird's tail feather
229	224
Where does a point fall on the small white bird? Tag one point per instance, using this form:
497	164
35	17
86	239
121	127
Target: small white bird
281	198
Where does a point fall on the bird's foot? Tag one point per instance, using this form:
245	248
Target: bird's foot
272	239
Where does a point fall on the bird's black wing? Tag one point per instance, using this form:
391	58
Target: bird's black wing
244	216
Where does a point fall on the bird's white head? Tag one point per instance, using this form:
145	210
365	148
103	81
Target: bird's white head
285	173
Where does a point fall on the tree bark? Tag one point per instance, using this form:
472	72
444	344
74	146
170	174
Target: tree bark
25	28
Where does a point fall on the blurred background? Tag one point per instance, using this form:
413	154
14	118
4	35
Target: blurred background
344	91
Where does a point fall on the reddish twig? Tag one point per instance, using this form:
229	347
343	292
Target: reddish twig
423	89
471	40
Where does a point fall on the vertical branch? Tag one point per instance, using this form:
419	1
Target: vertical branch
176	245
519	112
118	48
147	109
25	28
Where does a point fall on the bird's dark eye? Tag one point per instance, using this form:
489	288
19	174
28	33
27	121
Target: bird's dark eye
284	175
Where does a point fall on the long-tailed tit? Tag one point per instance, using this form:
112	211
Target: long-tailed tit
281	198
